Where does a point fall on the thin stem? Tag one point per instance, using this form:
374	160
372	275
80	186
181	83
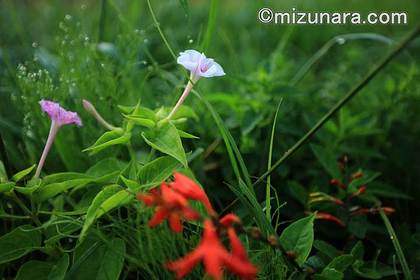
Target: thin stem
131	151
397	246
104	123
270	155
160	30
53	132
343	101
92	110
25	209
181	100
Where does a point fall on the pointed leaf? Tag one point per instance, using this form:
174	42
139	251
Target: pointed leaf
108	139
19	242
166	139
298	237
18	176
158	170
93	210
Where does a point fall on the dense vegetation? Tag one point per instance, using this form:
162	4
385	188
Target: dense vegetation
338	202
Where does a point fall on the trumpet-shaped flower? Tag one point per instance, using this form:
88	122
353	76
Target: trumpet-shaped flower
59	117
214	257
190	190
329	217
169	205
199	66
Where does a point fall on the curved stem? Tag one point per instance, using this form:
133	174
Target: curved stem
181	100
53	132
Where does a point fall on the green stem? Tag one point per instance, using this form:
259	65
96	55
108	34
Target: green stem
160	30
343	101
397	246
131	151
25	209
270	156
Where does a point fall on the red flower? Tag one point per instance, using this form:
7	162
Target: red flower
190	190
214	256
330	217
229	219
170	205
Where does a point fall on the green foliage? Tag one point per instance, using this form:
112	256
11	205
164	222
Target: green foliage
298	238
80	220
165	138
19	242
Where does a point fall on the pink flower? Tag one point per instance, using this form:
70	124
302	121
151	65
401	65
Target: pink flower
58	114
59	117
199	66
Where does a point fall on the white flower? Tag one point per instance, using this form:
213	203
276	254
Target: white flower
199	65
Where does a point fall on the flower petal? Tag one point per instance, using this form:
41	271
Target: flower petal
59	114
175	222
160	214
214	70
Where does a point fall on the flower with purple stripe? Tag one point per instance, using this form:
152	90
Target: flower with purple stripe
59	117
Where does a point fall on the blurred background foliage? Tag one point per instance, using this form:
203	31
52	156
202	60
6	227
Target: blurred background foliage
110	53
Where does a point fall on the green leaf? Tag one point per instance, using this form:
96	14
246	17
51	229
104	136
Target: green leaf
6	187
141	121
58	271
166	139
326	248
30	187
358	226
340	263
358	251
18	176
158	170
365	179
19	242
387	191
375	270
106	166
329	274
34	270
92	213
47	191
187	135
59	228
120	198
95	260
108	139
298	237
112	260
130	184
3	173
327	160
298	192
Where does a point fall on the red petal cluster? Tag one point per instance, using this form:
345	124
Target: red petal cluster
171	202
190	190
215	257
170	205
